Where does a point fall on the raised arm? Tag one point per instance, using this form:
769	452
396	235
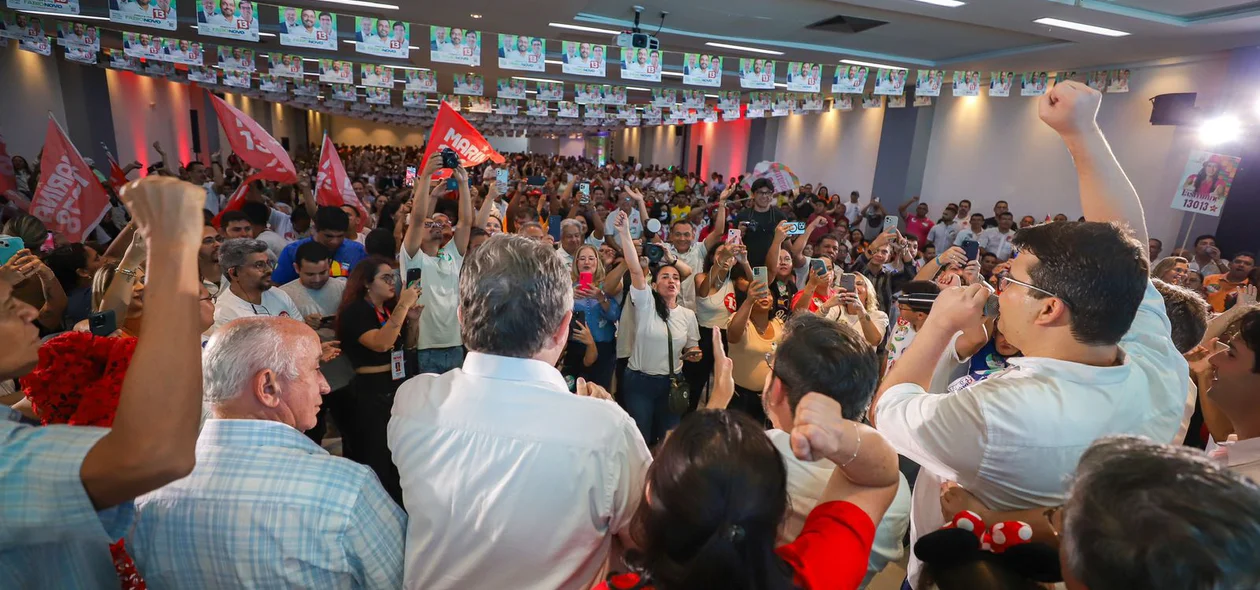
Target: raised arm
117	297
718	231
906	205
305	194
487	205
739	321
463	227
1070	108
638	199
419	207
622	226
866	464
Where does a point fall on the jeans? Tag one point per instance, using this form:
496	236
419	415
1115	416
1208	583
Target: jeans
440	360
647	401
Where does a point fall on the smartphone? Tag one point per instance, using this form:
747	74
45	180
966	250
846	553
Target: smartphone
796	228
574	324
971	248
890	222
585	188
501	175
848	282
761	273
103	323
413	277
410	178
733	236
817	267
327	321
584	200
537	180
9	247
452	184
585	280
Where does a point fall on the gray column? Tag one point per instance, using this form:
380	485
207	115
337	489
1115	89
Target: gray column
89	118
903	148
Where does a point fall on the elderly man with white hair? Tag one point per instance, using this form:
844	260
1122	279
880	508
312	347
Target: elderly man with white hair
265	506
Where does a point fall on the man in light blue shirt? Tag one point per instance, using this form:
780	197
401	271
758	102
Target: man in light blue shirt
265	506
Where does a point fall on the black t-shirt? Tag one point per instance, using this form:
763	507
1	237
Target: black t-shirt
782	292
759	232
356	320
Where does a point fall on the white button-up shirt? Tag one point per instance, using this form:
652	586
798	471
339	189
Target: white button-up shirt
510	480
1240	456
1014	438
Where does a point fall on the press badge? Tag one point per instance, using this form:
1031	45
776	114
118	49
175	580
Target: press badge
396	368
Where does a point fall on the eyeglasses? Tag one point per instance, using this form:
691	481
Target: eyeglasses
389	279
1005	278
436	224
261	265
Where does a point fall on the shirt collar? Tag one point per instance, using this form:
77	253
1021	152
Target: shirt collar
255	433
1239	452
1075	372
513	369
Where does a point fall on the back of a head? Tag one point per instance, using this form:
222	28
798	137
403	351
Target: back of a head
827	357
29	228
65	262
719	493
257	213
1098	269
241	348
380	242
1151	516
331	219
1187	312
228	217
513	295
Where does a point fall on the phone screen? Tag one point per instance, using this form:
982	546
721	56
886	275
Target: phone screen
848	282
410	177
413	276
971	248
797	228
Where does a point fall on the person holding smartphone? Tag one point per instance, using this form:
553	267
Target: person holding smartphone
854	304
595	317
752	334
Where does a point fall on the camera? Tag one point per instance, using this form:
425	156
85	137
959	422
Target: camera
654	253
450	159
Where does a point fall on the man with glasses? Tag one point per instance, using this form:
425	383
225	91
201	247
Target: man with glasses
248	269
208	267
1098	356
759	222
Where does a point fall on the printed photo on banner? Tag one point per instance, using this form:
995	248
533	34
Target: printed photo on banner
345	92
21	26
505	106
78	35
804	77
66	7
480	104
730	115
377	76
728	100
625	111
594	111
614	95
1000	83
1118	81
692	99
454	45
203	74
713	118
567	109
928	82
159	69
966	84
383	37
522	52
691	117
583	59
760	101
756	73
281	64
378	96
870	101
640	64
536	108
812	103
144	45
307	27
651	111
40	46
922	101
182	51
849	79
708	110
236	78
1208	178
336	72
306	87
451	100
421	80
83	56
1034	83
550	91
664	97
510	88
272	83
230	19
236	58
470	84
782	105
119	60
157	14
585	93
1097	80
890	82
702	69
412	98
842	102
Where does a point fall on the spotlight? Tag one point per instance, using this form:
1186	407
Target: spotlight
1220	129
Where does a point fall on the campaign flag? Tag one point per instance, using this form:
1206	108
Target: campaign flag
116	176
253	144
8	180
332	184
453	131
69	199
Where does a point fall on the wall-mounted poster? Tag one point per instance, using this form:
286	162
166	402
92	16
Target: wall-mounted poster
890	82
842	102
567	109
236	78
1118	81
305	87
756	73
728	100
614	95
804	77
182	51
510	88
53	6
307	27
760	101
376	75
412	98
454	45
551	91
41	46
230	19
586	93
782	106
870	101
692	99
1000	83
83	56
281	64
344	92
928	82
1097	80
451	101
1034	83
382	37
272	83
522	52
812	103
480	104
143	45
583	59
203	75
336	72
378	96
505	106
966	83
664	97
157	14
470	84
702	69
421	80
849	79
236	58
640	64
78	35
1208	178
536	108
651	112
119	60
922	101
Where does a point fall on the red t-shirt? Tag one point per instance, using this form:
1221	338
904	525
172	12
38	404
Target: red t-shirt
831	552
815	303
919	228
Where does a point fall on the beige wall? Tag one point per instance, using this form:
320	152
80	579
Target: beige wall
31	91
348	131
146	110
834	148
659	146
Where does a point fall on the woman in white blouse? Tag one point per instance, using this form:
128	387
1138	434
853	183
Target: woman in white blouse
859	311
659	319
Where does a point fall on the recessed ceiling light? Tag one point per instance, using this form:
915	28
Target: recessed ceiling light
675	74
870	64
638	88
742	48
536	79
263	34
475	15
362	4
1067	24
582	28
945	3
65	15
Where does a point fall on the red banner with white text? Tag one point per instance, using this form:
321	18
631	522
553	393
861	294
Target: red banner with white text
332	184
450	130
69	200
254	145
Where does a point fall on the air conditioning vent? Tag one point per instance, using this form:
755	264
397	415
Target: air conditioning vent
846	25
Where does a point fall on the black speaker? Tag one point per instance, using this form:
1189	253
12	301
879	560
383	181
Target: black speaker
195	123
1174	109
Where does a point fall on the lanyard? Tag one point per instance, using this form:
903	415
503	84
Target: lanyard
382	316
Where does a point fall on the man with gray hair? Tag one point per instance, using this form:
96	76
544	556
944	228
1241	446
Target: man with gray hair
500	449
265	506
570	240
248	268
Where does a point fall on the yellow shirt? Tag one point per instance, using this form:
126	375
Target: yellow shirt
1218	288
677	214
748	356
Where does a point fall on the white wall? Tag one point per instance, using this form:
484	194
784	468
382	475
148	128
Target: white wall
572	147
146	110
988	149
659	146
31	91
834	148
506	145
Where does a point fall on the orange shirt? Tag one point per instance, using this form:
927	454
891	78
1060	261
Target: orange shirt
1218	288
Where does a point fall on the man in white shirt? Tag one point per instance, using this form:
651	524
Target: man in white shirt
1233	391
971	232
248	269
315	294
1000	240
495	499
942	234
633	205
1098	359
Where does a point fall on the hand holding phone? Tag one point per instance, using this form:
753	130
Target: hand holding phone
733	236
762	274
890	222
103	323
848	282
796	228
413	277
971	248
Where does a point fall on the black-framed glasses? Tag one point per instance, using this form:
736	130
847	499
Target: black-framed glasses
263	265
390	279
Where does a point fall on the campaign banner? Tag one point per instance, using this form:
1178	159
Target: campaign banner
382	37
652	121
583	59
69	199
451	101
253	145
586	93
1000	83
21	26
119	60
230	19
236	58
413	98
613	95
332	185
567	110
305	87
760	101
142	45
336	72
307	28
651	112
182	51
1034	83
378	95
849	79
702	69
708	111
812	103
1118	81
890	82
594	111
421	80
536	108
345	92
203	75
804	77
504	106
157	14
754	113
283	64
842	102
928	82
922	101
272	83
897	101
730	115
77	35
640	64
756	73
625	111
728	100
454	45
551	91
522	52
966	84
41	46
480	104
782	106
376	76
470	84
1097	80
160	69
692	99
64	7
1208	178
870	101
450	130
83	56
510	88
664	97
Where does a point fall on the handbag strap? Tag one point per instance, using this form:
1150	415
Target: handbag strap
669	342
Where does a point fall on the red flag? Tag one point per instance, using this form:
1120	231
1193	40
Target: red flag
332	184
254	145
116	177
8	181
453	131
69	200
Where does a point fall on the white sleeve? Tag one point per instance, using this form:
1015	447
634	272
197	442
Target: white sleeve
642	298
693	331
280	223
945	433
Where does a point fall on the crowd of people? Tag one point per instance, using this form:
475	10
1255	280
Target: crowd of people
622	376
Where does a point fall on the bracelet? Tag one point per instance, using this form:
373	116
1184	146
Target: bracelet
858	433
938	260
126	271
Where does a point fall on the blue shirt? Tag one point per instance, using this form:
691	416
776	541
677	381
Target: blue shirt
50	534
348	254
266	507
602	324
